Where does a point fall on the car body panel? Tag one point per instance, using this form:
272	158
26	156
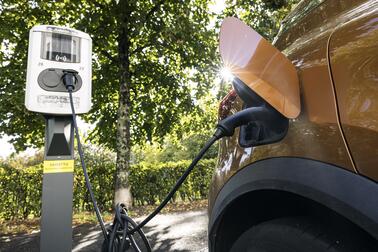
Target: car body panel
353	58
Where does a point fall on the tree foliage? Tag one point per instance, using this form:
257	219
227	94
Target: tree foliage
264	16
171	56
186	138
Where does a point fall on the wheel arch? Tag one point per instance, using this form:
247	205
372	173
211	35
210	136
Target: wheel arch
286	186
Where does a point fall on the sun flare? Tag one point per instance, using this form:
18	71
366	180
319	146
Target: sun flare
226	74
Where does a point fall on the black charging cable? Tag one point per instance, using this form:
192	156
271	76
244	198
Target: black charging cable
69	80
120	236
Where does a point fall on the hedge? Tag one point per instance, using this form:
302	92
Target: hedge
20	192
20	189
150	183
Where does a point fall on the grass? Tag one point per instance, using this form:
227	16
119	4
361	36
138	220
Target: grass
10	227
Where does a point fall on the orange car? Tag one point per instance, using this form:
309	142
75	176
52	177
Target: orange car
304	178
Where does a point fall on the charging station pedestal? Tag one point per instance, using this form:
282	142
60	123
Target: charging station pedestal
57	189
52	51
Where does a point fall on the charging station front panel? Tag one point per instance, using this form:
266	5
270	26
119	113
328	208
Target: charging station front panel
53	49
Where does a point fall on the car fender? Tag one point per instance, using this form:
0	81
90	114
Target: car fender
349	194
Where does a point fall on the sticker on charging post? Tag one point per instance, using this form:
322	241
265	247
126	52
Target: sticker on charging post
58	166
57	101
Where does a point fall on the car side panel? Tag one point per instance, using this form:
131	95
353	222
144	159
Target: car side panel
354	65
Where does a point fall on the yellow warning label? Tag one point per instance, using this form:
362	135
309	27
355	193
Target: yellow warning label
55	166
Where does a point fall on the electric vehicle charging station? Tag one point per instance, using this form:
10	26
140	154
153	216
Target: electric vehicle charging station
58	84
52	52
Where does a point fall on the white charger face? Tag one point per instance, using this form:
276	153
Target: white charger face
53	49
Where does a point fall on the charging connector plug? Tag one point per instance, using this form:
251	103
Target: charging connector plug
69	79
227	126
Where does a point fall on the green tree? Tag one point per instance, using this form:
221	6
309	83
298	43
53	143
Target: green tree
151	60
186	138
264	16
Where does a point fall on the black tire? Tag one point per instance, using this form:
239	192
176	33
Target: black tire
300	234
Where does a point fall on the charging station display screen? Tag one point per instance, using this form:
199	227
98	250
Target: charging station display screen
60	47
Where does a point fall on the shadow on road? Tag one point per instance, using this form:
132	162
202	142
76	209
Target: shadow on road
92	240
174	232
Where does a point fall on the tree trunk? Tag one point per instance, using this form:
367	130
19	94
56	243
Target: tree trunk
122	193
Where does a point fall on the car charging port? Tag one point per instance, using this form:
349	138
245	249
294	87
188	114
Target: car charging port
269	125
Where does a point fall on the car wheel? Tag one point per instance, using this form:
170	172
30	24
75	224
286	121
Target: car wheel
297	234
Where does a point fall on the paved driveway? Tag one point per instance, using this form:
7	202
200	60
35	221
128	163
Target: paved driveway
185	231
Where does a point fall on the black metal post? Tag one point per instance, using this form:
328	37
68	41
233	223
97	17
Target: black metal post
57	189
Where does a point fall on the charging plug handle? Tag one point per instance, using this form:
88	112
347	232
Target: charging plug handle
69	79
227	126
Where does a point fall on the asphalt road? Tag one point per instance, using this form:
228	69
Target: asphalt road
180	232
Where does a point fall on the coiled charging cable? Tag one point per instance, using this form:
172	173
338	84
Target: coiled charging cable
120	236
